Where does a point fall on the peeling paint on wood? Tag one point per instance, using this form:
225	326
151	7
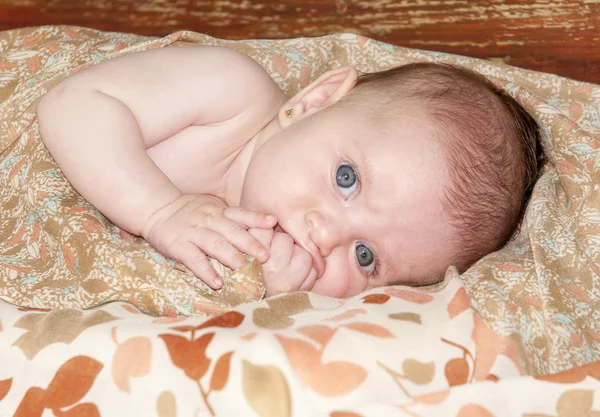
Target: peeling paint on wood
561	37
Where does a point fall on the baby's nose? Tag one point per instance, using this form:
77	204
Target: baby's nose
324	231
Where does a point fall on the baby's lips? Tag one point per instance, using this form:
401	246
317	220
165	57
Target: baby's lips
318	265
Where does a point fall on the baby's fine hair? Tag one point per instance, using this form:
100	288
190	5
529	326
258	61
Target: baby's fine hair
492	145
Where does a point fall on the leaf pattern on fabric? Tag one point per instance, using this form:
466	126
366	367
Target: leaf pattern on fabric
70	383
220	374
5	385
418	372
409	295
132	358
266	390
433	399
573	375
166	404
189	355
576	403
32	403
458	370
471	410
226	320
460	302
59	326
328	379
369	328
277	316
413	317
489	345
348	314
375	299
319	333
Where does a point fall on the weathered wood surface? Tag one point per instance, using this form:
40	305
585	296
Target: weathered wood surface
558	36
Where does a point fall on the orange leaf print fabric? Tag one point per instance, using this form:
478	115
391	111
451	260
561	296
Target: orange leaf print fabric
70	383
221	372
189	355
409	295
5	387
329	379
131	359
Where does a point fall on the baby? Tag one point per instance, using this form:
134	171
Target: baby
355	182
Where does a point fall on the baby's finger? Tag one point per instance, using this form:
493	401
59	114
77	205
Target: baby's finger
197	262
282	248
264	236
301	262
241	239
250	218
310	281
221	249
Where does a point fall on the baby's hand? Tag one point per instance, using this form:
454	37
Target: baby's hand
289	268
194	226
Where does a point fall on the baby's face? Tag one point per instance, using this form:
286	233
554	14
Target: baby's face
364	201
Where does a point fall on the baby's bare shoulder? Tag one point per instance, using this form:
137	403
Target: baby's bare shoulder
168	89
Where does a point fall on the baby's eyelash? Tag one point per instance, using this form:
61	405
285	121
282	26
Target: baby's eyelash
375	272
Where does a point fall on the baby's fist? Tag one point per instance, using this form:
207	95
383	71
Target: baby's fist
289	268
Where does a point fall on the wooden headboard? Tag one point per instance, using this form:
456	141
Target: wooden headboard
557	36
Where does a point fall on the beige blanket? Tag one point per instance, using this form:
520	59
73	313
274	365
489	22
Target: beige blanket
56	249
541	290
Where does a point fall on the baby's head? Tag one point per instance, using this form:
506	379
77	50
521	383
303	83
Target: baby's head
396	176
491	145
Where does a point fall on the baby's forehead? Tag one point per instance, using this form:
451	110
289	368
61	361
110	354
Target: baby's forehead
376	115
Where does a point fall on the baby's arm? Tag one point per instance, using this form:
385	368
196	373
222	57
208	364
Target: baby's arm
99	123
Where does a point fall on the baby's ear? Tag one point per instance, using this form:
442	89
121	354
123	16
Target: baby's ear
326	90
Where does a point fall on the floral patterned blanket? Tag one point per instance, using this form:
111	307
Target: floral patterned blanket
517	334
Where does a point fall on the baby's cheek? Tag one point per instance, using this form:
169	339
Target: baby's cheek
336	280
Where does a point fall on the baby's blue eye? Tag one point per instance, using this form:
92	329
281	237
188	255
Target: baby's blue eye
365	258
346	180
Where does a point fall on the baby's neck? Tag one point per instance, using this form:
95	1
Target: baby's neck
234	179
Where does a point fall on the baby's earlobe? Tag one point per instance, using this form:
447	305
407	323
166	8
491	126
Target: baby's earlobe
289	113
